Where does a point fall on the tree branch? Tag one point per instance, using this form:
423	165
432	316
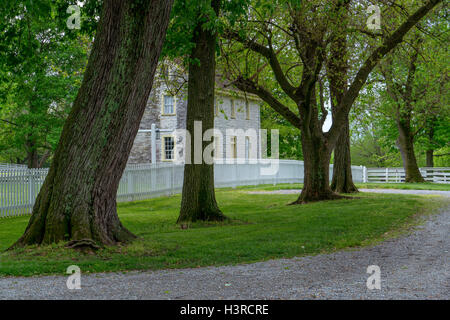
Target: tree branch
251	87
361	77
271	56
9	122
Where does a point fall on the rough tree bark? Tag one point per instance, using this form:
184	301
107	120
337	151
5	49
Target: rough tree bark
316	155
32	154
430	135
403	97
198	195
342	181
430	158
77	201
337	73
405	143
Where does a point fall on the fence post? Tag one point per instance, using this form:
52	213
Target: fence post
153	173
387	174
153	143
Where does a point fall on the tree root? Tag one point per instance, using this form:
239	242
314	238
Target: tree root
309	199
83	245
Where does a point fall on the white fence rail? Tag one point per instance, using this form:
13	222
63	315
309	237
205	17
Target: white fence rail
20	186
12	166
389	175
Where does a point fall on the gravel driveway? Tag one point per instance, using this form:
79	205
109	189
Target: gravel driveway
416	266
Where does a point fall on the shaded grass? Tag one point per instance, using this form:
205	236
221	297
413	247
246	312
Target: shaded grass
263	227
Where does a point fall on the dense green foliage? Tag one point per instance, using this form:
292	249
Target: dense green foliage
411	82
41	68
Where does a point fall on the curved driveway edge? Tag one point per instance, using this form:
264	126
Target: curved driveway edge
416	266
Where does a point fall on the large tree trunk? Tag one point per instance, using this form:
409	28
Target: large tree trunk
405	143
337	73
32	159
198	196
342	181
78	199
316	159
430	158
430	135
32	154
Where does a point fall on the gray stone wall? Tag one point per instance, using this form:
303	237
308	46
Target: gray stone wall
141	151
223	120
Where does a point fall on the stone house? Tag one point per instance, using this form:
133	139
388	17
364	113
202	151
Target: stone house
166	112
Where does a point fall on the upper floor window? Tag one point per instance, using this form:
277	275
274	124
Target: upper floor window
168	107
233	109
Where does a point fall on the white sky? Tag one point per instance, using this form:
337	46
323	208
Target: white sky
327	124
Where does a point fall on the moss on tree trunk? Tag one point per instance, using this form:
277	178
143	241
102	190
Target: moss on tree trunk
198	196
77	201
405	143
342	181
316	153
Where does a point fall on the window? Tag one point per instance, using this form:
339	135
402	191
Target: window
217	148
233	109
168	105
233	147
247	148
168	148
247	110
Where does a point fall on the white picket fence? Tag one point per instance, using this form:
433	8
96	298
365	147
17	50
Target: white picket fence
20	186
397	175
12	166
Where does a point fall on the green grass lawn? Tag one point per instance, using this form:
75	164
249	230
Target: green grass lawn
405	186
263	227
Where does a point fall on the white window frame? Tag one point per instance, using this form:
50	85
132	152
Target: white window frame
163	147
233	147
233	109
218	147
247	147
163	101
